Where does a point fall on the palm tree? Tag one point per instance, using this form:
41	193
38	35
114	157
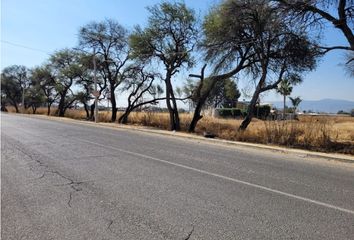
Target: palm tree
295	102
285	89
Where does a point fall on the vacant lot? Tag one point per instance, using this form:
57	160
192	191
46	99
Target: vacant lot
319	133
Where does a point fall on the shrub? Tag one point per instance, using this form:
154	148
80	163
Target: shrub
262	111
230	112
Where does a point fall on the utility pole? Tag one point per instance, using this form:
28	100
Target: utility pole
96	93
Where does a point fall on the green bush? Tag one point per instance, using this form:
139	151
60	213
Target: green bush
262	111
230	112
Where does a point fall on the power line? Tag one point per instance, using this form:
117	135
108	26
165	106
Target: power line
26	47
251	40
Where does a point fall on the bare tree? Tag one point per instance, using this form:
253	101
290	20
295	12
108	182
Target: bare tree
338	13
142	90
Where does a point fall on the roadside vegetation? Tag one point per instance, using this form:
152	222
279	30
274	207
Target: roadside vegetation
269	44
316	133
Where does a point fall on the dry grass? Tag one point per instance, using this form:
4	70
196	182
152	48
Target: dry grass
319	133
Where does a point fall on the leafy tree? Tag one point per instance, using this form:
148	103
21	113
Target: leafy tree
65	68
86	82
108	40
278	51
343	112
252	36
225	93
45	80
14	82
169	38
34	97
227	46
10	92
3	102
284	88
295	102
84	97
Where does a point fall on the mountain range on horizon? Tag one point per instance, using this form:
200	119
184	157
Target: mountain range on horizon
323	105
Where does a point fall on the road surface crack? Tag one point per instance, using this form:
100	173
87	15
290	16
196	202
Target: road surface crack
75	185
37	160
70	198
190	234
40	163
109	225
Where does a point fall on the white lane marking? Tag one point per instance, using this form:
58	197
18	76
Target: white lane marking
225	178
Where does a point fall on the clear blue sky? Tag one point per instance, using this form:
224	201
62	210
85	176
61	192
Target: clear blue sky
49	25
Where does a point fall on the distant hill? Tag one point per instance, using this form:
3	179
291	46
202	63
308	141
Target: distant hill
324	105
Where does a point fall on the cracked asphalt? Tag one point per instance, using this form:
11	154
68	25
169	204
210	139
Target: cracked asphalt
62	180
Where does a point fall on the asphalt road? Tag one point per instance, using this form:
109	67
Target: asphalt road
63	180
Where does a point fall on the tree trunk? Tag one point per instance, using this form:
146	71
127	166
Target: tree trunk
284	107
61	112
3	108
61	109
196	116
250	112
14	103
114	104
199	106
92	112
86	110
250	109
203	98
124	118
61	106
34	109
48	108
173	111
16	108
177	126
169	107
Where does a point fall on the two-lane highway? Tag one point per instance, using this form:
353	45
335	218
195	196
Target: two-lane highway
62	180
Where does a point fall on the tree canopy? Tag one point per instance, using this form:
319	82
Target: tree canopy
108	41
259	41
169	38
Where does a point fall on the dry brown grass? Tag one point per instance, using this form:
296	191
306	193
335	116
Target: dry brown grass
320	133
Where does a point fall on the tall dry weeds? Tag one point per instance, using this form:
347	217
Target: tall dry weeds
330	134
